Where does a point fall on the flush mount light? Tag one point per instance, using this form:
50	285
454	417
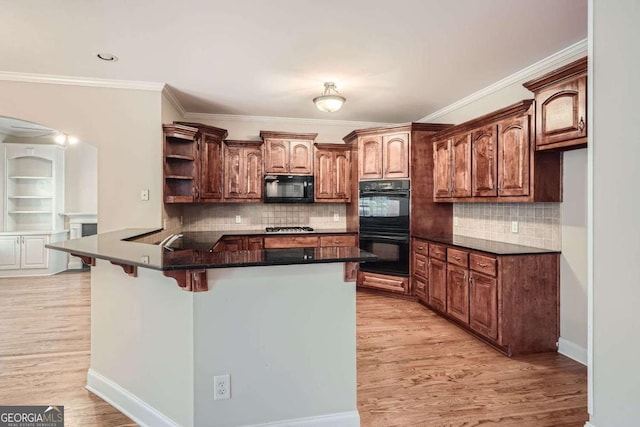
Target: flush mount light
330	100
107	57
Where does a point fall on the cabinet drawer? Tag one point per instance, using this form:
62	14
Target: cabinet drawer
340	240
458	257
383	282
419	264
437	251
483	264
420	288
421	247
290	242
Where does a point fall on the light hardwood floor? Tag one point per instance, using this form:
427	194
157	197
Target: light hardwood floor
414	368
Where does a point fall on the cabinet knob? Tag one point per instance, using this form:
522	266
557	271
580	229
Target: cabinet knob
581	124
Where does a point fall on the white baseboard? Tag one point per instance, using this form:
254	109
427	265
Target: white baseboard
126	402
342	419
572	351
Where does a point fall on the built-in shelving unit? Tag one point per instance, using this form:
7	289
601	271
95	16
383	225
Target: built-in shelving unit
31	190
180	166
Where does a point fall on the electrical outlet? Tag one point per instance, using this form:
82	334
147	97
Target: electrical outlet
514	226
238	219
144	195
456	221
336	217
222	387
144	259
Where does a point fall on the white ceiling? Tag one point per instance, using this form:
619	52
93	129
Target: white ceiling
394	60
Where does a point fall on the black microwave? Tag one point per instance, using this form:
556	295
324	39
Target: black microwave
288	189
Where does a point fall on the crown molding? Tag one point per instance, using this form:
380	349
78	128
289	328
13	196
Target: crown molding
280	120
79	81
534	70
168	93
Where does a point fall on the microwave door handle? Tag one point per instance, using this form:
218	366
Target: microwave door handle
385	193
401	238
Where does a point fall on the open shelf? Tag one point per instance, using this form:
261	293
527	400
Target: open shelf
29	177
30	197
179	157
29	212
183	177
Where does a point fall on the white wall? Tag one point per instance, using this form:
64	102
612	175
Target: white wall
291	352
123	124
81	178
616	209
573	282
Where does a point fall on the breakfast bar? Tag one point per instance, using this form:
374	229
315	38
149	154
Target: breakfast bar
280	322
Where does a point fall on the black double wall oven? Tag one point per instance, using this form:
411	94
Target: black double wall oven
384	226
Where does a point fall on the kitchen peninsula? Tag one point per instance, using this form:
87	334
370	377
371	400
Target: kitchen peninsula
280	322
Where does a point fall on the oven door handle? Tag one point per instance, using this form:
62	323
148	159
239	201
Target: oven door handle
397	238
403	194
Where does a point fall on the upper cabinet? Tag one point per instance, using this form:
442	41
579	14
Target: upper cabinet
288	153
193	163
333	173
493	159
384	156
561	102
243	171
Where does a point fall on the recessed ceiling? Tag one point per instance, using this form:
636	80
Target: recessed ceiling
393	61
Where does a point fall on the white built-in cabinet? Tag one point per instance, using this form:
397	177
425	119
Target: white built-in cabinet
32	197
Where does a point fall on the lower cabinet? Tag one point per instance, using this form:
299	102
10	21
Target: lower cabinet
258	242
382	282
26	255
510	301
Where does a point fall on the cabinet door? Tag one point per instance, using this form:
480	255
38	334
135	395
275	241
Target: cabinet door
442	169
276	156
234	173
275	242
420	288
561	114
457	293
301	158
9	252
370	149
382	282
324	175
234	244
437	284
255	243
342	176
211	168
252	168
484	160
513	157
34	254
461	165
419	264
483	305
395	156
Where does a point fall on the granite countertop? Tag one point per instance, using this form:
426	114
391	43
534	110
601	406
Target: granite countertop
489	246
192	251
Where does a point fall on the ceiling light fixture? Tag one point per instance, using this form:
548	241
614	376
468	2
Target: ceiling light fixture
330	100
65	140
109	57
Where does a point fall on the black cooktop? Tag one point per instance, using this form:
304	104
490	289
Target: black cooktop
288	229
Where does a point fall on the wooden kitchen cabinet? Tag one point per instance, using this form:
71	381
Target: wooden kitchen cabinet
288	153
280	242
509	301
484	162
181	163
332	173
561	107
437	284
243	171
207	178
383	282
420	269
384	156
493	159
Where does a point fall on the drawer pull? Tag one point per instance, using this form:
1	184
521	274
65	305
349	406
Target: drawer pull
581	124
482	264
456	257
338	241
420	248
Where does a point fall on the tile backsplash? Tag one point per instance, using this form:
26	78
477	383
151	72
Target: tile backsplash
538	223
257	216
